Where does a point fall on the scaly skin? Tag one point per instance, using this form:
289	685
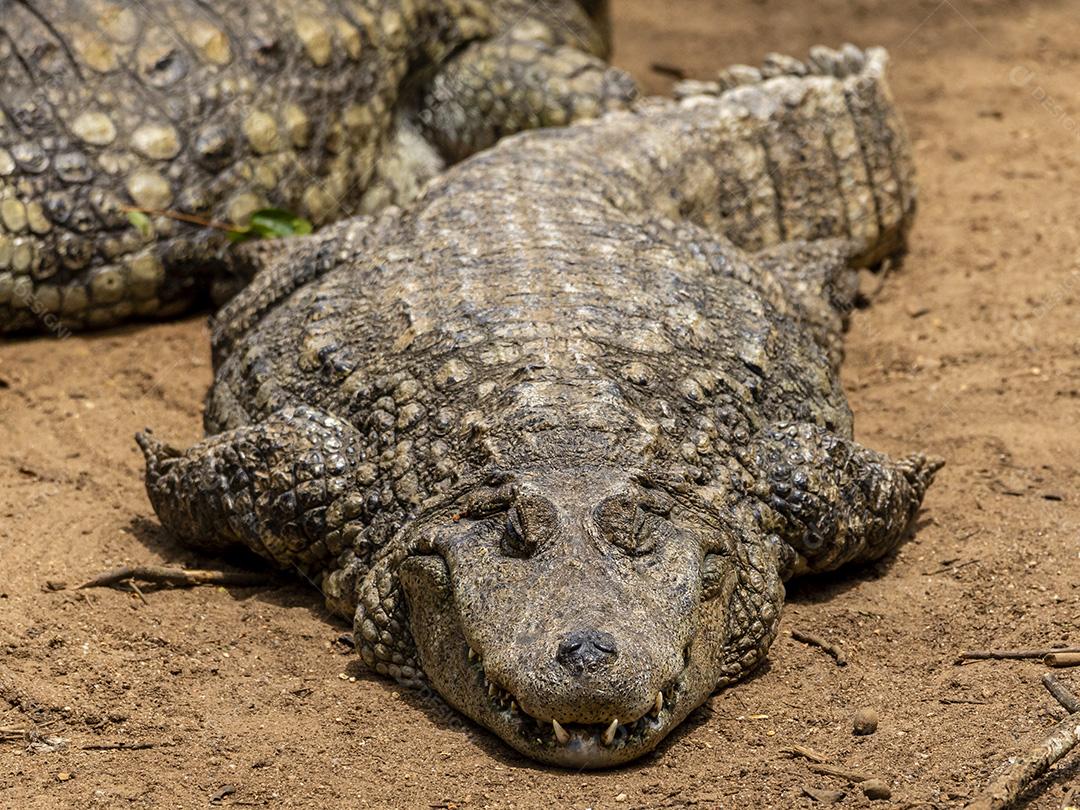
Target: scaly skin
550	437
326	109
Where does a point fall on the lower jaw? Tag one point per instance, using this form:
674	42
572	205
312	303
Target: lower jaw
583	752
584	746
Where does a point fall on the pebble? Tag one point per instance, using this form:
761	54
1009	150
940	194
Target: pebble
875	790
824	796
865	722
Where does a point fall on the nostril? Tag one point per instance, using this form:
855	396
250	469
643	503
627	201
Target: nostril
587	648
604	645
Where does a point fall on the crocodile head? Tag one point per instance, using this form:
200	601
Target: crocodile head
580	617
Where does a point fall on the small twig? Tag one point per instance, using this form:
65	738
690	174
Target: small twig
1061	694
843	773
946	568
817	641
138	593
972	701
182	217
1003	655
803	751
1006	789
120	746
227	790
180	577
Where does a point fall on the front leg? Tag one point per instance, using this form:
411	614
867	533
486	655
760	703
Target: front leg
832	500
288	488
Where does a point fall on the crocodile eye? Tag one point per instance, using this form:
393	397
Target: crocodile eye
632	525
715	569
516	541
647	529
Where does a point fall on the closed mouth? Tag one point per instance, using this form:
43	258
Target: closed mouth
586	743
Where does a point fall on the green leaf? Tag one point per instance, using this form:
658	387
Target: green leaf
240	233
141	221
273	223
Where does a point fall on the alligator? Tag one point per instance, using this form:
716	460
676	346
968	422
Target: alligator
199	114
555	435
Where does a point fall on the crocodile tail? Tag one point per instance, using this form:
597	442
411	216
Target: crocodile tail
817	149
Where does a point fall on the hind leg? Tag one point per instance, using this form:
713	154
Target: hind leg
820	284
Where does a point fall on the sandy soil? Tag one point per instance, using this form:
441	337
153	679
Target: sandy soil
971	351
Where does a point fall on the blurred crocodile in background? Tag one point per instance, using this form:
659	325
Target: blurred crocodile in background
212	111
555	434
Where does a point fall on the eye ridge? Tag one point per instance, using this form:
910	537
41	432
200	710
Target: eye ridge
487	503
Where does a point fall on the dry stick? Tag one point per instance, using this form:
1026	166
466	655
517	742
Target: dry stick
946	568
120	746
1001	655
1062	659
803	751
1006	789
181	577
131	584
182	217
1061	694
816	641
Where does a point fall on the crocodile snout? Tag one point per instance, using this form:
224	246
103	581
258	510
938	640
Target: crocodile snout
587	649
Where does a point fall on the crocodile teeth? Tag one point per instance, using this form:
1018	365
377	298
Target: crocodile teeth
609	735
473	654
513	707
658	704
492	689
560	733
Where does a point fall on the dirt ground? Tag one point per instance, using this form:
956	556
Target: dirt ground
971	351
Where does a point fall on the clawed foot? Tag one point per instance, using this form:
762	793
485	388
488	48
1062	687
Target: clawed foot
919	469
